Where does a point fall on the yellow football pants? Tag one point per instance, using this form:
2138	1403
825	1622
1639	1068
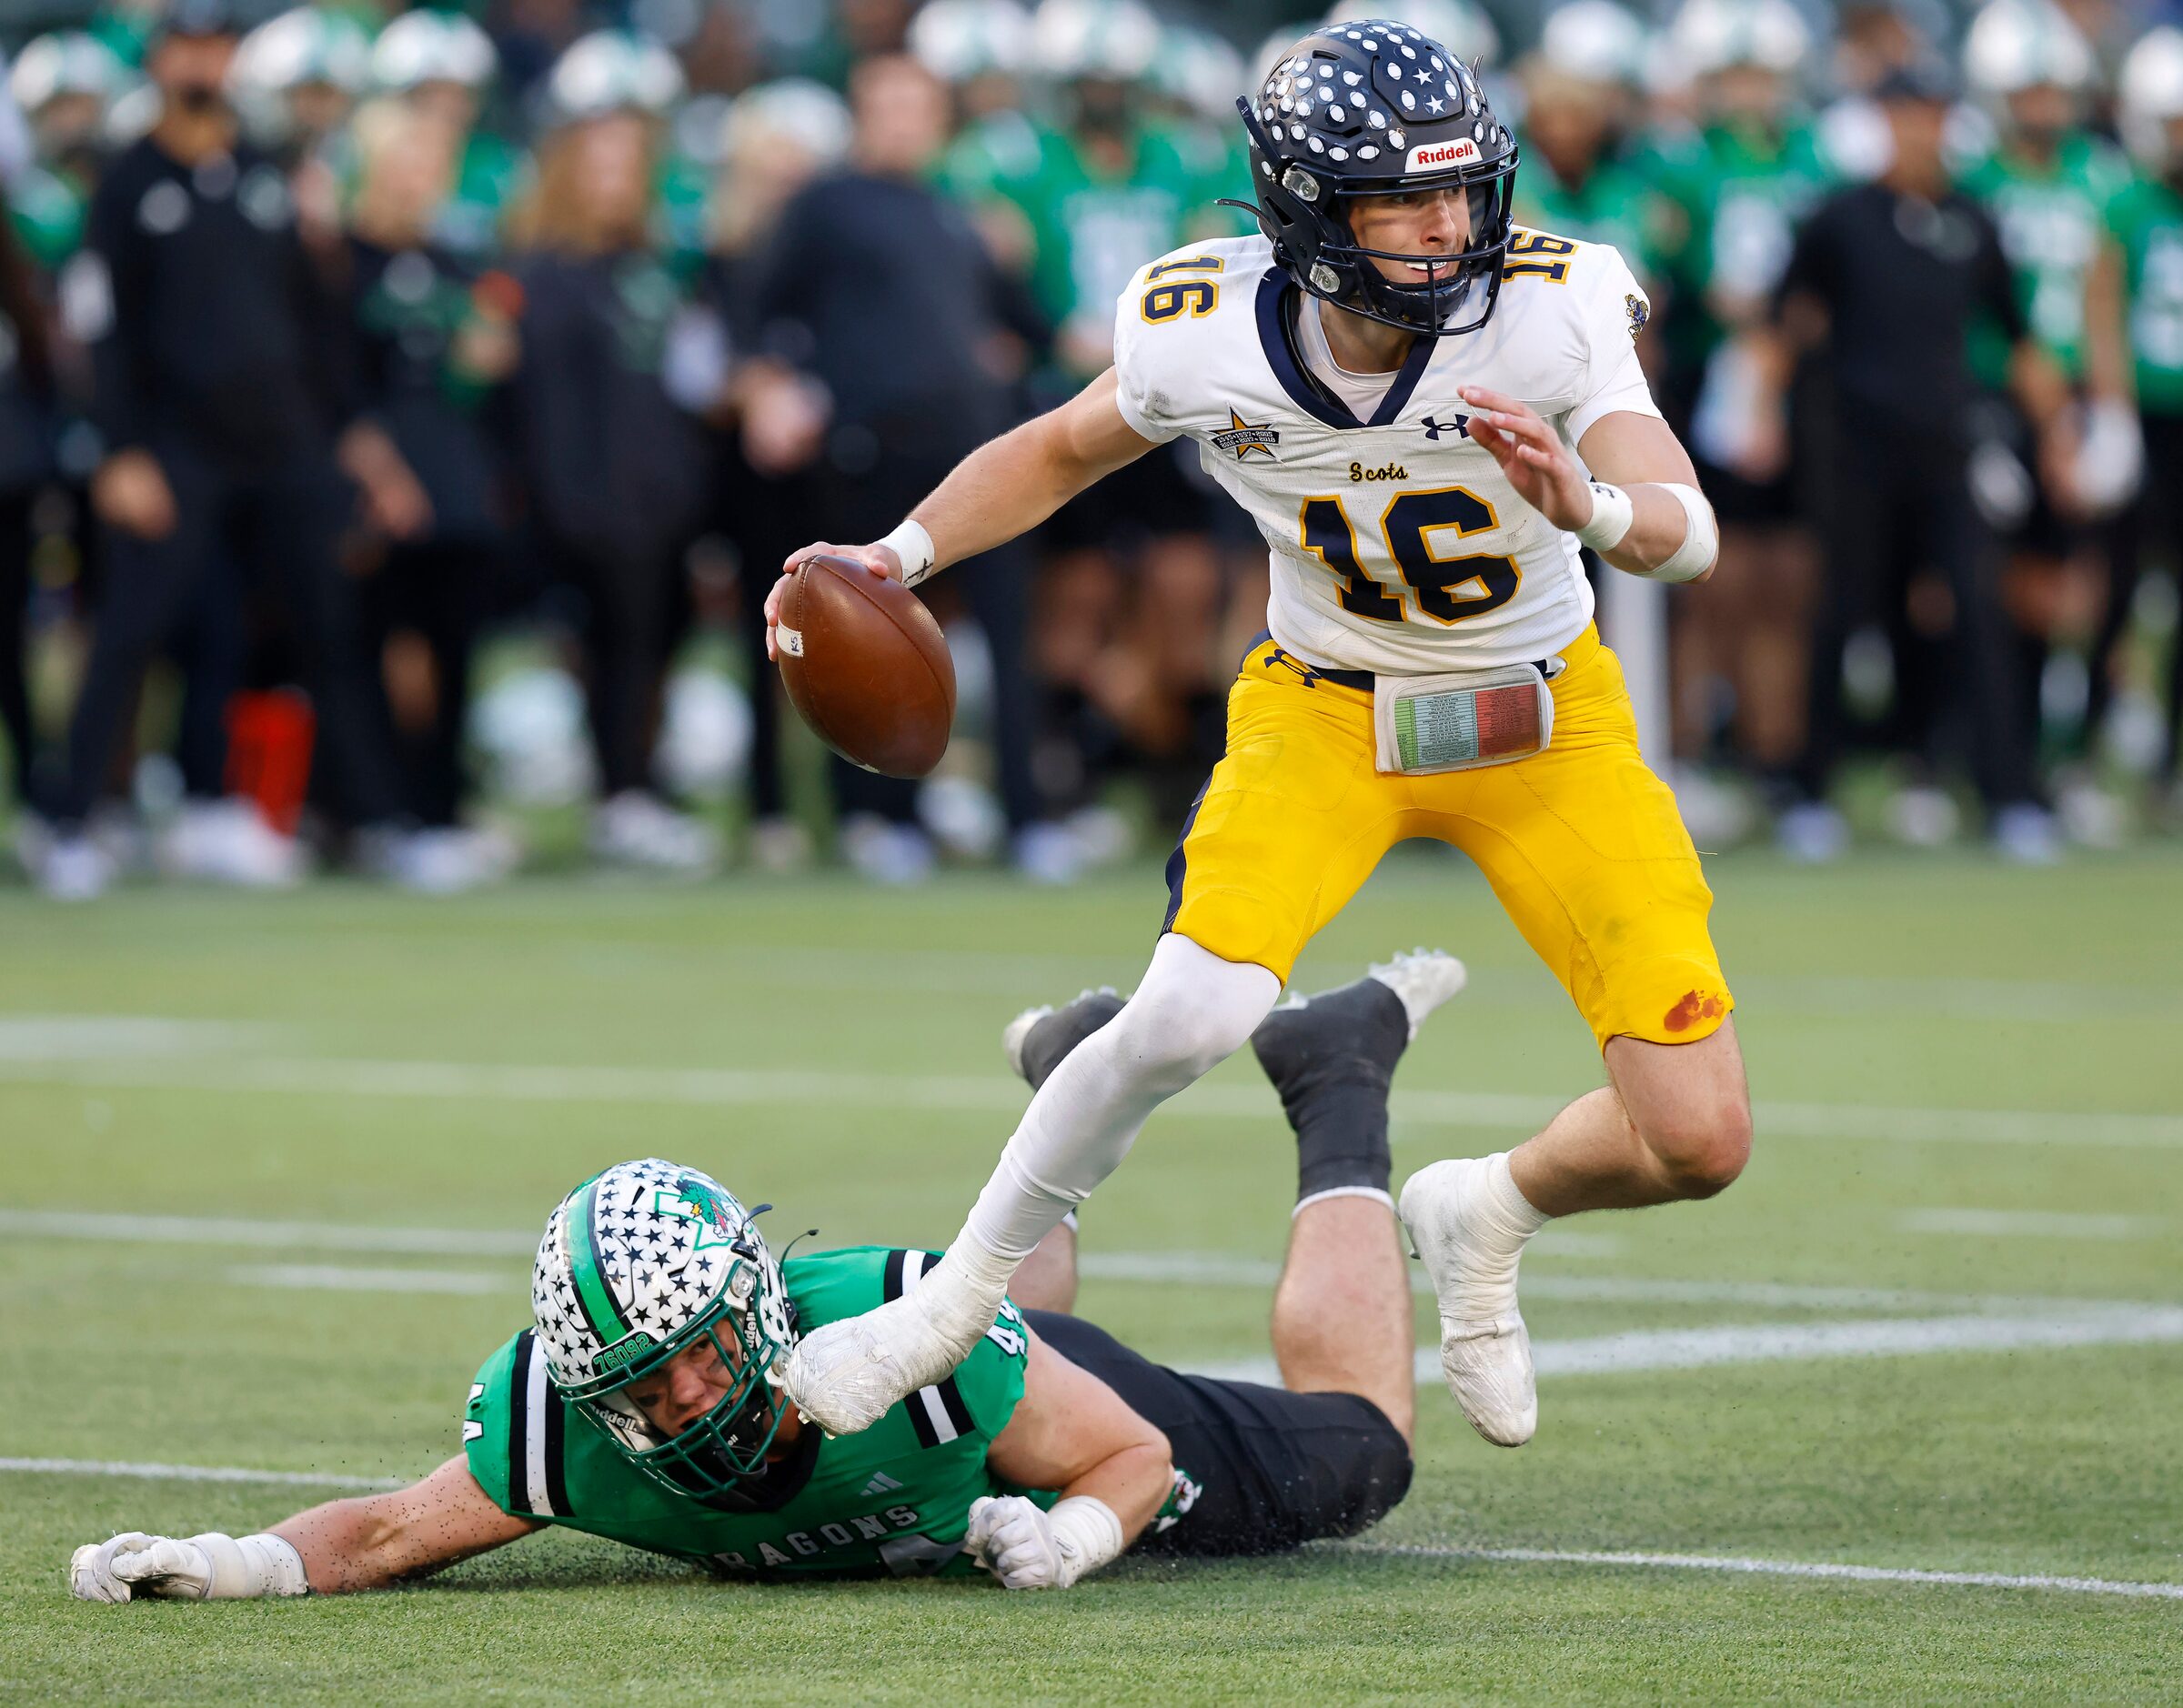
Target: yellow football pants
1582	843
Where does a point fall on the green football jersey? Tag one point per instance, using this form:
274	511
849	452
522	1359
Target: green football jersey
2050	217
2146	219
1090	229
48	211
893	1500
1743	192
488	178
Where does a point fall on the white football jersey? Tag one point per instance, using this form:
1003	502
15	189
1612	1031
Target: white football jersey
1398	545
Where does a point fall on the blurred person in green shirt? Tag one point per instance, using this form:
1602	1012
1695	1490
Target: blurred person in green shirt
443	63
2048	182
2145	220
1132	593
1743	180
1582	105
66	84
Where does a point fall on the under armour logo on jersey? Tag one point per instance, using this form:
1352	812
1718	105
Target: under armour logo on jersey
882	1484
1460	426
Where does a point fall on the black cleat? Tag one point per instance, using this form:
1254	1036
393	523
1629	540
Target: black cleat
1036	1039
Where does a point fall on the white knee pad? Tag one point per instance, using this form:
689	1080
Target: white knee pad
1191	1012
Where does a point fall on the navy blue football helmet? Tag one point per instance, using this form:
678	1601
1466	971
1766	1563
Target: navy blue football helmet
1373	109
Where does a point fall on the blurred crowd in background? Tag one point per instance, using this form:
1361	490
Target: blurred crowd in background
402	412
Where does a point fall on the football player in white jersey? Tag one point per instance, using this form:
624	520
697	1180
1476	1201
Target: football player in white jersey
1426	410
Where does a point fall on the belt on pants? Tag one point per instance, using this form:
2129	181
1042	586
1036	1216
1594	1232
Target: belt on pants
1363	681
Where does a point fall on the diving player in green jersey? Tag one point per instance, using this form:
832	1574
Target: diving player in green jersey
644	1403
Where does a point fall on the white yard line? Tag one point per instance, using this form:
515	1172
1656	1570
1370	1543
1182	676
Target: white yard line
1513	1556
46	1037
2037	1224
1783	1568
326	1278
1204	1269
1645	1350
66	1224
191	1474
991	1094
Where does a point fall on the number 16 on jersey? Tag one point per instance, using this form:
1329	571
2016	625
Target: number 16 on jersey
1448	590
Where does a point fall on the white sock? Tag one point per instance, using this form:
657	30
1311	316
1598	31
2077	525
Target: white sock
1193	1010
1508	1221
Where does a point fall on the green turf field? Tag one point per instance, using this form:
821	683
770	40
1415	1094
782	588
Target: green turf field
1937	1327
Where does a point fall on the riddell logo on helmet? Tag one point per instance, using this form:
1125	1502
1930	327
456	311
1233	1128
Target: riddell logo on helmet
1462	152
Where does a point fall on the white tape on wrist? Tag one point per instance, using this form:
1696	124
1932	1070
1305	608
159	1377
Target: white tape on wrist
1612	514
1701	538
913	545
251	1566
1087	1535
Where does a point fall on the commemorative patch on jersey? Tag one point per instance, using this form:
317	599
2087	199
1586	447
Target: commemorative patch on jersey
1639	314
1246	439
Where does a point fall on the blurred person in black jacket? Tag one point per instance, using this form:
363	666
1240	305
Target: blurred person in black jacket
435	338
614	466
222	396
778	138
1889	275
885	334
26	425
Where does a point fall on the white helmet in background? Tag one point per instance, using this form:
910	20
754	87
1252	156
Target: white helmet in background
1715	36
1199	70
2018	45
612	71
294	51
1595	41
66	63
1460	27
797	109
420	47
1112	41
304	45
2150	91
958	40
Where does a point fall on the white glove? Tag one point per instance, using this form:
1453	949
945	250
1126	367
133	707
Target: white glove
1028	1549
210	1567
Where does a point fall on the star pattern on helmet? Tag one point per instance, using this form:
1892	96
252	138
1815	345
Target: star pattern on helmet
658	1263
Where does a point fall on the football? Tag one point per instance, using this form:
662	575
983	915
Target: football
866	666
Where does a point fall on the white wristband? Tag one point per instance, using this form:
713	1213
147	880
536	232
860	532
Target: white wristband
913	545
251	1566
1087	1533
1612	514
1701	538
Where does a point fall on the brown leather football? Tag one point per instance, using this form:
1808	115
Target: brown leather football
866	666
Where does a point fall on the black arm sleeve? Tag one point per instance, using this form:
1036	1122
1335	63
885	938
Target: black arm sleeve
321	309
106	300
1812	271
560	401
1995	288
775	303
